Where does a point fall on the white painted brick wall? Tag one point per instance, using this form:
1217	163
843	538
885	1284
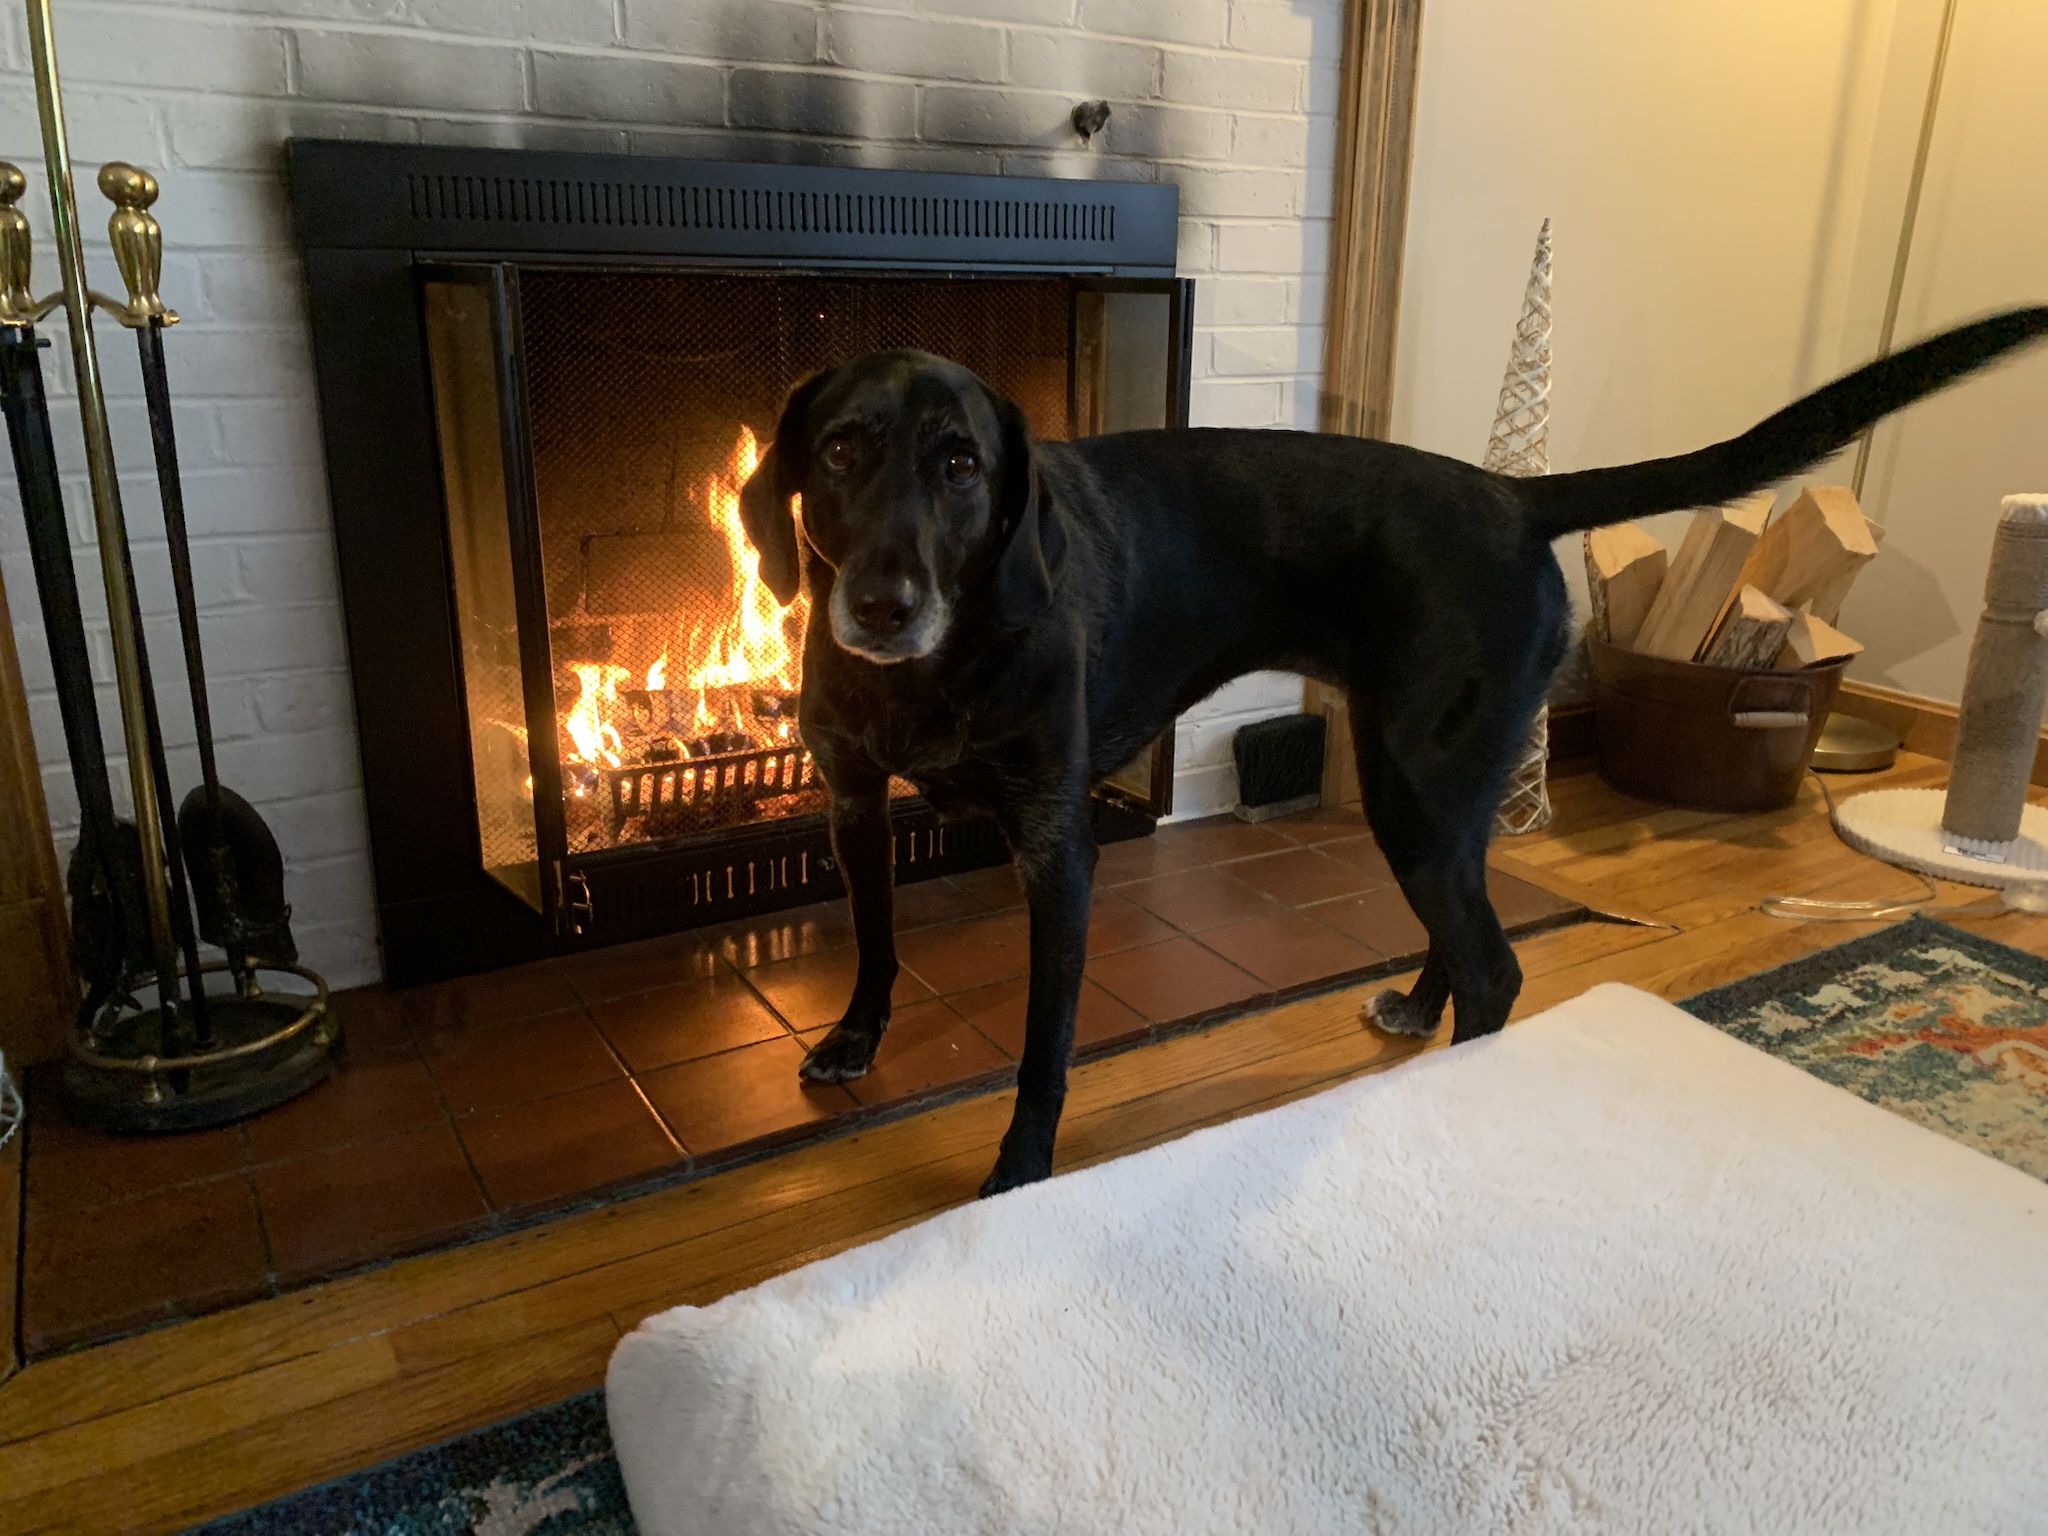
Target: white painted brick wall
1233	102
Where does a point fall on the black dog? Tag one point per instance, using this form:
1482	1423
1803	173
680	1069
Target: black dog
1003	623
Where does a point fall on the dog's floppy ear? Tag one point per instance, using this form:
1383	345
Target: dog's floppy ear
764	499
1033	543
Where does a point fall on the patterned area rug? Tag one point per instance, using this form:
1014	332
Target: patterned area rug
1935	1024
1943	1027
545	1473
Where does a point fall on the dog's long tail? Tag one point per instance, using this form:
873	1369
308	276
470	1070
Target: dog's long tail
1797	438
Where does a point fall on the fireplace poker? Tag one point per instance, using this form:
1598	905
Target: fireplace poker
236	869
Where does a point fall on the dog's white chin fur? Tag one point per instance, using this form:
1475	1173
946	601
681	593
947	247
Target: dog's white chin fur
916	642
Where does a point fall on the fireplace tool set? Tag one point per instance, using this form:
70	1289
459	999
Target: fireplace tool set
151	1048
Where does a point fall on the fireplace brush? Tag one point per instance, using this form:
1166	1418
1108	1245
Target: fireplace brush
192	1059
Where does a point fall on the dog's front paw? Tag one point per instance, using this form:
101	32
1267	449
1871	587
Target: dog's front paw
1397	1014
845	1053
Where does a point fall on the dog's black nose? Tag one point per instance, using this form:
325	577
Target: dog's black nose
888	611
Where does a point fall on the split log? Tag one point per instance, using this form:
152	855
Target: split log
1625	566
1812	551
1811	642
1750	634
1701	577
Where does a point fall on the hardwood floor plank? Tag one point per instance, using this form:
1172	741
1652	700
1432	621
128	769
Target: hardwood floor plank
1619	835
306	1446
111	1442
1594	898
702	1292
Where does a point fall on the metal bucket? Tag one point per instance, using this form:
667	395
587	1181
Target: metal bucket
1708	738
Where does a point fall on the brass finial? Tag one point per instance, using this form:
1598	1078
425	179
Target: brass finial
138	241
17	304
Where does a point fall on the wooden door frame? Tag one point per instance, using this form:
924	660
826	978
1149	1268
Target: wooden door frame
1379	72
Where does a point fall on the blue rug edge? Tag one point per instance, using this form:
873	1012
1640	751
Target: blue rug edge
336	1505
1719	1005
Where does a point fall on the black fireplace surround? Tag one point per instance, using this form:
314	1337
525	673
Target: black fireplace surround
544	249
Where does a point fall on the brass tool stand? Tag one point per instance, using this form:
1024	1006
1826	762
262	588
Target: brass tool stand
152	1049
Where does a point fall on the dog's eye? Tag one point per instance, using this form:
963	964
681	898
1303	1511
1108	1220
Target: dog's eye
838	453
963	469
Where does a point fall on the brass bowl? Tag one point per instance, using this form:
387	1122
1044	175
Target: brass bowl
1850	745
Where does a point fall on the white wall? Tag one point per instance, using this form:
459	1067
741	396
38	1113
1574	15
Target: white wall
1938	471
1232	100
1726	184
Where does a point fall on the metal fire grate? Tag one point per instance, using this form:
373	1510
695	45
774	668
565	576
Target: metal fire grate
680	796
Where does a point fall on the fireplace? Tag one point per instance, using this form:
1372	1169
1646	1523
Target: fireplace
543	379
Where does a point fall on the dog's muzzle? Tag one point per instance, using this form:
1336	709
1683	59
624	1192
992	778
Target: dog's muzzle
892	622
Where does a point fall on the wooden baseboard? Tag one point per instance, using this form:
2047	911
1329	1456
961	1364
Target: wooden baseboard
1923	725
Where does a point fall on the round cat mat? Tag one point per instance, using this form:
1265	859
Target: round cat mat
1903	826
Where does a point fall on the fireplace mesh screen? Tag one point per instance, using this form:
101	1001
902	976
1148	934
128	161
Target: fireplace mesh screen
650	394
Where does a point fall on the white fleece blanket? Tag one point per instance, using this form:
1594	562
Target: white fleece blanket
1607	1271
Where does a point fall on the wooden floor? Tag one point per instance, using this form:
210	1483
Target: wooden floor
160	1430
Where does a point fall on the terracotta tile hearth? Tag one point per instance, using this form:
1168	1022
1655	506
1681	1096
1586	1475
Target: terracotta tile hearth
472	1106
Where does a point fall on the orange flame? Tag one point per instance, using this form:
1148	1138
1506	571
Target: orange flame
754	644
588	721
751	644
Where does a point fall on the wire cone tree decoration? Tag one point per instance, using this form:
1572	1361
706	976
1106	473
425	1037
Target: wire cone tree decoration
1520	445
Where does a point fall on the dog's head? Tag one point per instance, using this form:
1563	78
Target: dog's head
919	490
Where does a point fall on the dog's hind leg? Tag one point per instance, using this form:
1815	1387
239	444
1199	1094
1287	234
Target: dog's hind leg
864	843
1055	848
1478	964
1435	843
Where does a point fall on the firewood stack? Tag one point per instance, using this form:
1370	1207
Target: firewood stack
1745	590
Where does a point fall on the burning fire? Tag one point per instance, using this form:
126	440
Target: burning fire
588	720
749	653
751	644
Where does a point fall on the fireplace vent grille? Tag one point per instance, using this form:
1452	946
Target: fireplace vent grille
446	198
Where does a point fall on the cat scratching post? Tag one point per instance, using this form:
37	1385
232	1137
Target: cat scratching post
2005	689
1983	831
